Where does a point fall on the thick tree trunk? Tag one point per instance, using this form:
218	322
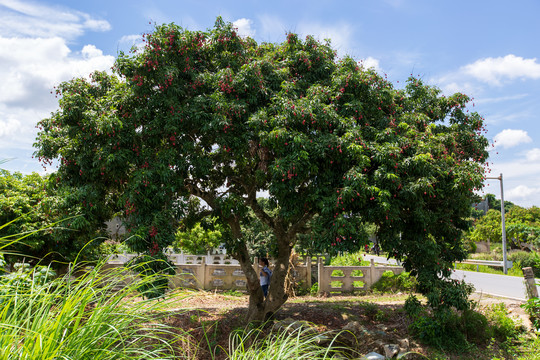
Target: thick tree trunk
261	309
277	295
256	296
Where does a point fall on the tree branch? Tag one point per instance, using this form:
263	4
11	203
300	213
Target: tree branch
251	201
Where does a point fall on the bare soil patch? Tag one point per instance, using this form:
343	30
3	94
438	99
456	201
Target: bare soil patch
208	318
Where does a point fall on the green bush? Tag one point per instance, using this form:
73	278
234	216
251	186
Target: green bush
351	259
504	327
389	282
413	306
157	268
449	329
532	307
475	326
524	259
443	330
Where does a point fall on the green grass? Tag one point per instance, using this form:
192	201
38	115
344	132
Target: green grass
292	343
514	271
93	317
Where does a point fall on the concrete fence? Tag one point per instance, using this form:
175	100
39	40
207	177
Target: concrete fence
195	271
346	279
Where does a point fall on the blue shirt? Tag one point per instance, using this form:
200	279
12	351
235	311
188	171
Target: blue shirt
265	280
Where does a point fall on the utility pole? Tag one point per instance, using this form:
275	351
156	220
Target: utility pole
505	265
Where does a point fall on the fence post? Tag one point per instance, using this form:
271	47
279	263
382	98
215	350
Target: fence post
308	270
320	271
371	272
530	282
203	273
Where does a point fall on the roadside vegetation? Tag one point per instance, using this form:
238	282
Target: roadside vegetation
100	314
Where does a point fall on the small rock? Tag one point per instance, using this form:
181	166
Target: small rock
381	327
404	344
356	329
373	356
391	350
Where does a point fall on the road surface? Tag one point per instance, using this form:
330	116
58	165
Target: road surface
490	284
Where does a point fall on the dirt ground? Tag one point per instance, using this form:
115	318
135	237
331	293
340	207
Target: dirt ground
208	318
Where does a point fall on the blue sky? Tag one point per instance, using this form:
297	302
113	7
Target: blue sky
486	49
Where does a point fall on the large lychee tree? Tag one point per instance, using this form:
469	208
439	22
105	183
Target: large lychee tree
217	118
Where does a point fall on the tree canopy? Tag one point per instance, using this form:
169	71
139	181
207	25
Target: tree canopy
216	117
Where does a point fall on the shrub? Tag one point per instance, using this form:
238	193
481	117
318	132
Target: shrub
524	259
442	330
413	306
532	307
450	329
157	268
390	282
475	326
504	327
349	259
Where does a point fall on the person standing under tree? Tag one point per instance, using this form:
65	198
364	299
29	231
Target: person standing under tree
265	274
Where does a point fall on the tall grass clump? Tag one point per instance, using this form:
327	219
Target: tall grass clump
299	343
94	315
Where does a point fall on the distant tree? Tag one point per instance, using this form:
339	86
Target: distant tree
201	237
215	116
487	228
47	224
495	203
522	225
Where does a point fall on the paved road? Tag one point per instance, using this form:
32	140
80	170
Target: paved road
491	284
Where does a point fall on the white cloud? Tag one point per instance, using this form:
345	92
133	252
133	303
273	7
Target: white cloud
522	193
28	19
495	70
520	181
130	39
127	42
34	57
455	82
471	78
341	34
533	155
509	138
371	62
31	67
17	129
9	127
95	25
90	51
244	27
